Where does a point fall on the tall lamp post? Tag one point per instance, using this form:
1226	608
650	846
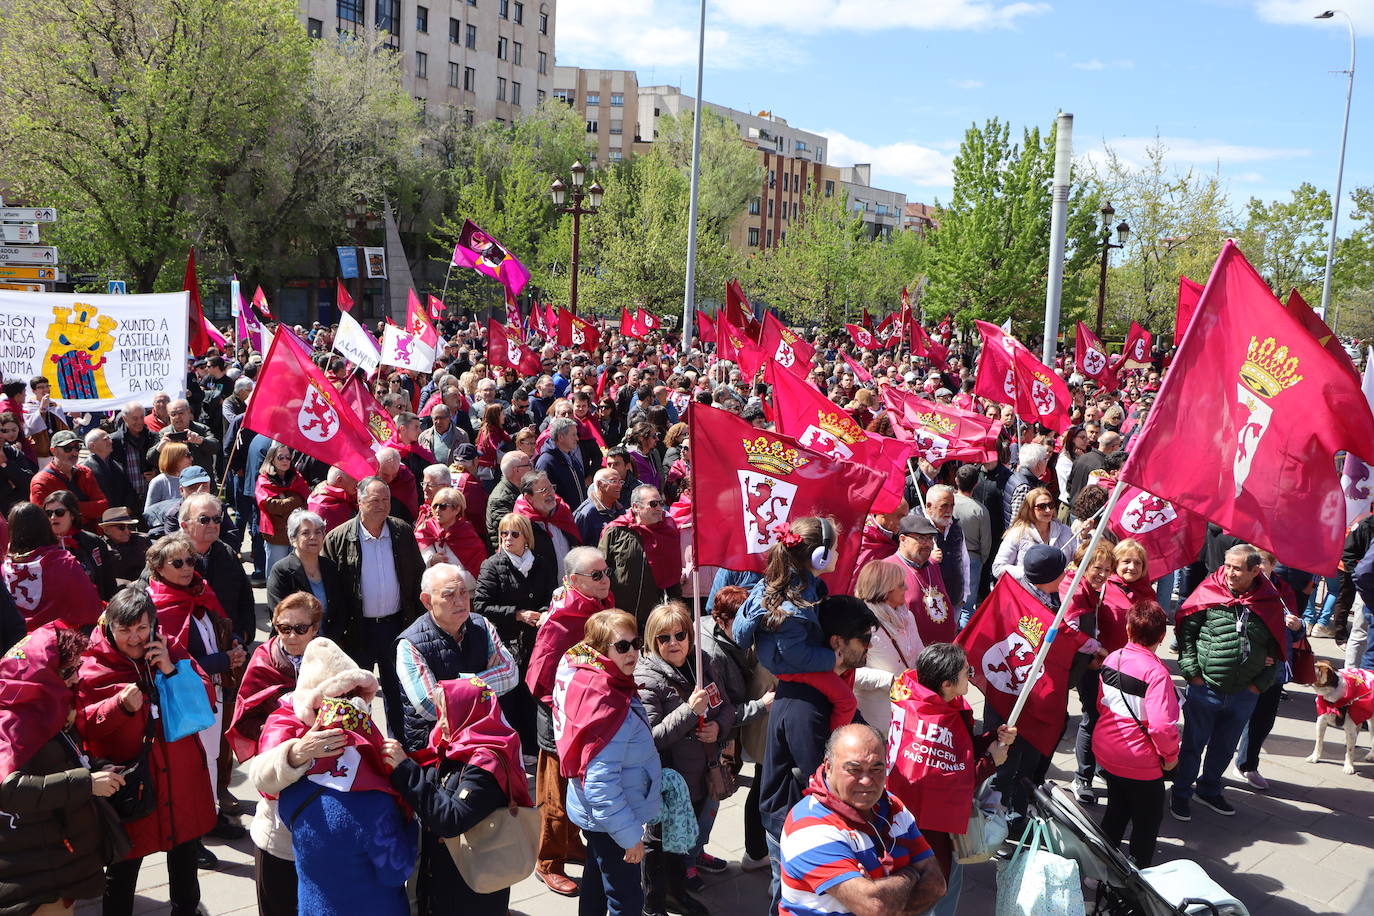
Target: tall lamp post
1340	170
1123	232
593	197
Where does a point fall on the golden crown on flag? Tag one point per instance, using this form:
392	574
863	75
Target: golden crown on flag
842	426
937	422
1268	369
772	456
1033	628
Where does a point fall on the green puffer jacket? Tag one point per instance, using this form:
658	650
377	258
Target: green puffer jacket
1210	648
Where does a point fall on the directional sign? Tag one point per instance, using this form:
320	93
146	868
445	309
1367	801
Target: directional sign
28	273
19	232
28	254
29	214
26	287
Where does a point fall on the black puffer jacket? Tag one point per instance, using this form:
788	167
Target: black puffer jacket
50	840
502	590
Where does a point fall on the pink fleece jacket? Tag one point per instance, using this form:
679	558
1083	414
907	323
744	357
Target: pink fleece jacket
1135	680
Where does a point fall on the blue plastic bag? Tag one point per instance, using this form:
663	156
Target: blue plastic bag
182	702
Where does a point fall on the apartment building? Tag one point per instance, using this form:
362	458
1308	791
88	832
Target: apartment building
880	210
487	59
920	218
608	101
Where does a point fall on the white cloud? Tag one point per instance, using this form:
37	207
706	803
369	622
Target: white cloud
641	34
1093	64
1191	151
1300	12
900	165
879	15
966	84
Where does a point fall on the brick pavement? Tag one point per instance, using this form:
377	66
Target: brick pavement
1305	846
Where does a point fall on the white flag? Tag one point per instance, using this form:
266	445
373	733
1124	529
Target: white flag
353	344
405	350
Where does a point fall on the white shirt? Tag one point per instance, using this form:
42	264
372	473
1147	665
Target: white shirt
381	591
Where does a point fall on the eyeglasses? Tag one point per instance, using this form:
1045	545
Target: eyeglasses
300	629
970	671
541	491
664	638
57	513
210	519
1044	507
623	646
179	562
595	575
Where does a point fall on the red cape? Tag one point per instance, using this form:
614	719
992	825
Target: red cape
662	546
568	614
360	733
1117	600
49	584
408	450
268	677
176	607
934	770
34	701
477	733
590	702
462	539
1262	599
562	517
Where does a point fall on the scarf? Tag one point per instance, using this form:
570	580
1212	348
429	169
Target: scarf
877	827
34	700
461	539
105	671
1118	597
361	767
409	449
270	675
49	584
561	518
177	606
591	697
933	774
662	546
472	730
1262	599
567	620
523	563
1086	609
587	429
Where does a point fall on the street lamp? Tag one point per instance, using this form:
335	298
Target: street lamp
592	195
1123	232
1340	169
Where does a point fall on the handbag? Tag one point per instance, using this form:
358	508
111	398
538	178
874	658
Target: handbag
1036	882
1302	663
720	779
987	829
115	844
138	796
184	706
500	850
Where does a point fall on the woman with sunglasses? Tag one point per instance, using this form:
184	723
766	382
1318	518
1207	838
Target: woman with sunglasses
689	723
642	441
271	675
446	536
606	750
1035	523
90	551
47	581
280	490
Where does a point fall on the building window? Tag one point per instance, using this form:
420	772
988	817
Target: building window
314	28
455	75
468	117
593	98
350	10
592	127
543	23
539	93
754	206
471	37
455	32
500	89
783	238
389	16
518	58
515	93
615	155
421	65
503	8
800	146
472	2
543	62
617	100
770	208
470	79
772	178
794	211
617	127
754	236
563	95
770	238
502	49
830	189
786	177
520	14
422	19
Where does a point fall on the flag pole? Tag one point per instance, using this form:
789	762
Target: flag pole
443	296
692	556
689	287
1040	656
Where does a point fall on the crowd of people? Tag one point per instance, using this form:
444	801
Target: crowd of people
512	591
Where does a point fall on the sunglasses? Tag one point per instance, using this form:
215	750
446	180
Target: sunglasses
179	562
67	448
443	507
664	638
300	629
511	534
210	519
654	504
57	513
1044	507
623	646
596	576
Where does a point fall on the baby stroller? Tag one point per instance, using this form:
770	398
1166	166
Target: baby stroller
1177	888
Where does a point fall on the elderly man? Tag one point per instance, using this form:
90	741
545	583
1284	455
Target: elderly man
542	399
128	548
829	858
1231	641
601	505
237	403
405	491
555	532
448	643
380	565
1032	461
444	436
515	464
406	442
799	720
643	549
561	459
976	525
434	478
926	597
950	551
182	428
63	473
486	396
131	443
110	475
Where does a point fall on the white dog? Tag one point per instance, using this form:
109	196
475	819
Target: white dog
1349	691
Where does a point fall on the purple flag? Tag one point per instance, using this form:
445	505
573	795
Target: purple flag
482	253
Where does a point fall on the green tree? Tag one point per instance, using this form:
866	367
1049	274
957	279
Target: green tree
1352	293
122	114
1286	241
989	258
809	275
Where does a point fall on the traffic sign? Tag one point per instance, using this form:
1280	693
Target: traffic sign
28	273
29	214
26	287
19	232
117	288
28	254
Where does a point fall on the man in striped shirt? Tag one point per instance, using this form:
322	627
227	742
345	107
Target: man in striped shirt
849	846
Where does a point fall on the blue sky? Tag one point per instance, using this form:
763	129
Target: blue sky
1242	86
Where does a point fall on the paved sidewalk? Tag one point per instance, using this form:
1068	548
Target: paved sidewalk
1305	846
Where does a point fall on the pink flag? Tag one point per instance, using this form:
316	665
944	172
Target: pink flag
996	379
1188	295
436	307
1135	353
1041	396
863	375
260	303
1171	535
482	253
706	328
785	346
1322	334
942	432
1090	358
247	326
648	321
1247	426
365	406
215	335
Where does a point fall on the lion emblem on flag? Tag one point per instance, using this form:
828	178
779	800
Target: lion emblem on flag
317	420
785	355
932	447
1146	512
1007	664
1043	396
767	501
819	440
1139	350
1009	384
1093	361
